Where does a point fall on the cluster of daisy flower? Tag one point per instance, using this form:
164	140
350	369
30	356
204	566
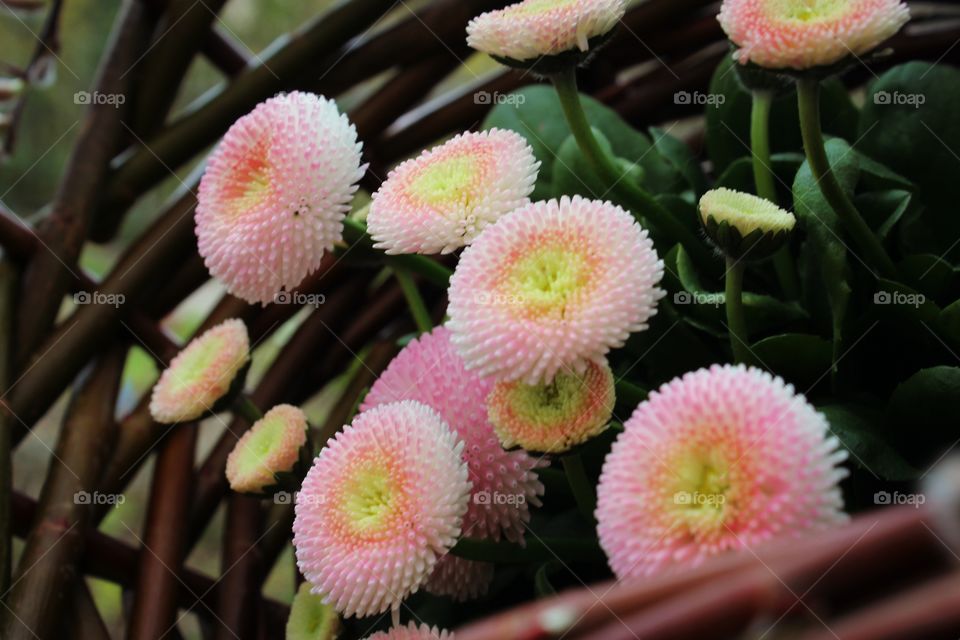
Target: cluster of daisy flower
718	459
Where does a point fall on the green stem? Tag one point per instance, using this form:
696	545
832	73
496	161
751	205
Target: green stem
766	187
636	198
736	324
431	270
246	409
414	301
583	492
808	99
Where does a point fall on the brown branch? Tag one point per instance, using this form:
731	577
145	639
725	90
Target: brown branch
164	540
49	559
224	52
203	125
82	620
64	230
179	34
110	559
242	570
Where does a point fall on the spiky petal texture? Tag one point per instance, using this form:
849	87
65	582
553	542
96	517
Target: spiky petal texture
722	458
441	200
412	632
744	211
274	194
272	445
310	618
551	286
381	503
460	579
201	373
553	416
429	370
791	34
534	28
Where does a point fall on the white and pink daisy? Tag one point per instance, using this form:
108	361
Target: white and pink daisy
442	199
201	374
780	34
382	503
535	28
554	416
723	458
271	446
274	194
551	286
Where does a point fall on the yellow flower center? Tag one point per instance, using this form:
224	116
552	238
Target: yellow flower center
195	362
250	182
700	489
548	280
808	10
549	404
445	181
368	499
268	434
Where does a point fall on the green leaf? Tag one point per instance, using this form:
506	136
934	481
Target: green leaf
882	210
681	158
930	274
739	175
574	175
824	232
919	141
536	114
923	413
798	358
728	117
858	429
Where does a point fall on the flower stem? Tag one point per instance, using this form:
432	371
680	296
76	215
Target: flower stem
414	301
356	232
808	99
246	409
736	324
766	187
636	198
583	493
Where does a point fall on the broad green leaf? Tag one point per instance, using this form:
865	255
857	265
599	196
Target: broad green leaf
882	210
535	113
859	430
824	232
923	413
909	123
728	117
801	359
680	157
739	175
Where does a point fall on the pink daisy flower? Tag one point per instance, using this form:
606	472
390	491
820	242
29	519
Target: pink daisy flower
551	286
271	446
535	28
383	501
274	194
505	484
555	416
809	33
412	632
441	200
201	373
722	458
